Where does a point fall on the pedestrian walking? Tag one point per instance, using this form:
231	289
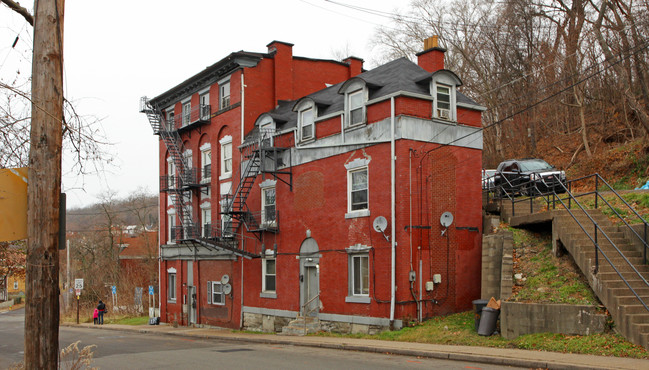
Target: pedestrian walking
95	316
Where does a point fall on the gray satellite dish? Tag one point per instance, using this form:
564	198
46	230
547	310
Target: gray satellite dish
227	288
447	219
380	224
225	279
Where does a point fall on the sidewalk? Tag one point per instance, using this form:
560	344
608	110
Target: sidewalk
486	355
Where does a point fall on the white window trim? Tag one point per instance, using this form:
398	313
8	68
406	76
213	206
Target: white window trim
211	285
353	166
186	115
171	299
356	251
204	149
351	87
268	293
221	84
224	141
263	206
300	125
171	215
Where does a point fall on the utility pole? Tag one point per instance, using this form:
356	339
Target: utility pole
42	269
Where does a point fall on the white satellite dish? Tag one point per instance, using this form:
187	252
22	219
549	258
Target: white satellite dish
227	288
447	219
380	224
225	279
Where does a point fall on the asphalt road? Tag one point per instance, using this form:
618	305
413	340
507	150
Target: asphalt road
126	350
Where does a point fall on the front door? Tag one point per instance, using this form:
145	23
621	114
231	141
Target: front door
309	278
192	304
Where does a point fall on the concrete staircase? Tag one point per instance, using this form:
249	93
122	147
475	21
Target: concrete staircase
302	326
630	316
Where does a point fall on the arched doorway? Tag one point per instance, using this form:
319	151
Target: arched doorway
309	278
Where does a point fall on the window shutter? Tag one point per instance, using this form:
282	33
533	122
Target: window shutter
209	292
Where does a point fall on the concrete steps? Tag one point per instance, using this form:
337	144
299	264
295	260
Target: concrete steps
630	316
301	326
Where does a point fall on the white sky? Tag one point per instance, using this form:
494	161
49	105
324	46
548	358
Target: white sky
117	51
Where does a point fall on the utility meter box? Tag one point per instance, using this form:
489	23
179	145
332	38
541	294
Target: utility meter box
429	286
437	278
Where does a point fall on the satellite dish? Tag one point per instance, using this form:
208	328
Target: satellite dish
447	219
225	279
380	224
227	288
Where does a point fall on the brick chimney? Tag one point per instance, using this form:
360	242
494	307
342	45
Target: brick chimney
355	65
432	58
283	63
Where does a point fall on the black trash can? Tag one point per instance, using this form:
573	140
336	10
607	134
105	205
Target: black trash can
488	321
478	305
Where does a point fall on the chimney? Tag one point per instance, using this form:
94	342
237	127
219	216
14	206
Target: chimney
432	58
355	65
282	54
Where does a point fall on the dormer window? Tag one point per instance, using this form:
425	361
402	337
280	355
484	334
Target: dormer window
356	93
306	114
443	87
266	130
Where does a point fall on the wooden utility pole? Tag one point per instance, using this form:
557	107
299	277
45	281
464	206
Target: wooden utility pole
42	269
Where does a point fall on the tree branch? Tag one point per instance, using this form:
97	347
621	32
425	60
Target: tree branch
15	6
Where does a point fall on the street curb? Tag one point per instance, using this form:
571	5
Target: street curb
434	354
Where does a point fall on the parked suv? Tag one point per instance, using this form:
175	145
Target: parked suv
528	176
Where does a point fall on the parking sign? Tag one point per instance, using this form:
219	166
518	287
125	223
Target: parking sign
150	289
78	283
113	289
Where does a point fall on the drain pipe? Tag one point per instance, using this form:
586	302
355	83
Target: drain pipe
392	215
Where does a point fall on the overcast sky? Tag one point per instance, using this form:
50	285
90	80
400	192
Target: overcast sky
117	51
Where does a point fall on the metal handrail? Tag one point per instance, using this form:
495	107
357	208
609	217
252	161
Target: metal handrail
307	312
571	197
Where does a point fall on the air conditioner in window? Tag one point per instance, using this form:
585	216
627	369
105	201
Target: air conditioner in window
444	114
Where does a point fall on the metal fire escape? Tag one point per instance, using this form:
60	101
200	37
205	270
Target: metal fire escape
177	185
259	156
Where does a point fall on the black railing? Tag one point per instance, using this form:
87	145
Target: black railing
566	200
206	173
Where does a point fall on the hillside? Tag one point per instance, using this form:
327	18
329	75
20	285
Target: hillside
140	210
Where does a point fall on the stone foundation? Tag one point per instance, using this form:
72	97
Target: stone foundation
269	324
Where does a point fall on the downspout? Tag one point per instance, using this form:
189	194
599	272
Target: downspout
392	215
243	100
160	275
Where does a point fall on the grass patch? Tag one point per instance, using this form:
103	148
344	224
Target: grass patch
127	320
458	329
543	277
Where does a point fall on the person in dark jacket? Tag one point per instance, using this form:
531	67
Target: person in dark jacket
101	308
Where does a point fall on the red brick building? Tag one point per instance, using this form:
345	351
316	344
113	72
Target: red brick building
352	196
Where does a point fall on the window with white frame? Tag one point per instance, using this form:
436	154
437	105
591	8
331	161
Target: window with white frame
358	189
215	293
188	162
356	94
171	285
224	95
171	229
226	157
15	285
171	124
268	275
355	102
306	118
206	163
206	216
204	100
359	274
187	113
443	102
268	214
226	219
171	173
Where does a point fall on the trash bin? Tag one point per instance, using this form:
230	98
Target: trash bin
478	305
488	320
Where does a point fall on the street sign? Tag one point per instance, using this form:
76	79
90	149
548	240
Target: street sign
113	289
78	284
78	292
150	289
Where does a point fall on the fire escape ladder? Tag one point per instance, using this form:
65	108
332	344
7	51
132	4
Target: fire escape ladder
179	189
236	205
